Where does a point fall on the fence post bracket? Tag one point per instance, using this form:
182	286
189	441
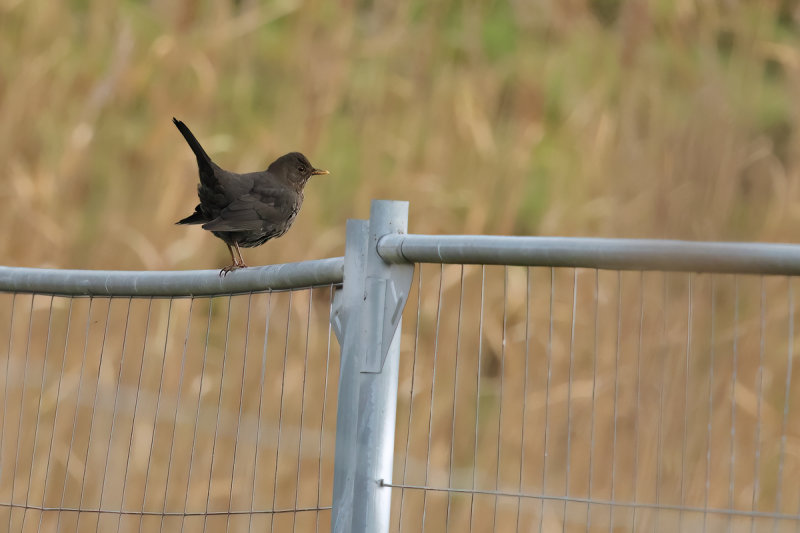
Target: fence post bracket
386	298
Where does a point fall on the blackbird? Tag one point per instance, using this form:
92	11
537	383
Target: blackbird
247	209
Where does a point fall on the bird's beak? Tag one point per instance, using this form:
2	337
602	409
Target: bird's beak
318	172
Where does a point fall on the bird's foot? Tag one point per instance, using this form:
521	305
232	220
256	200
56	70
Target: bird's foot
230	268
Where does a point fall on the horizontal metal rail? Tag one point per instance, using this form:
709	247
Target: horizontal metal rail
171	283
609	254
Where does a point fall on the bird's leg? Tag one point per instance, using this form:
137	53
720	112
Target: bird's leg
241	259
236	263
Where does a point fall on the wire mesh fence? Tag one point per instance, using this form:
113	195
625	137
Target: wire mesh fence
167	414
560	399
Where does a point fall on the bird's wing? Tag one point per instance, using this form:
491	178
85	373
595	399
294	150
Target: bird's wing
252	213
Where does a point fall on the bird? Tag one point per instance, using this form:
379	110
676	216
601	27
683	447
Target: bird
247	210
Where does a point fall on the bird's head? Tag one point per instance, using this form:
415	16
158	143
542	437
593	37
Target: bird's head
295	168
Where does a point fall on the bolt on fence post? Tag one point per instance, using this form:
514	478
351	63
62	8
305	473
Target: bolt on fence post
366	319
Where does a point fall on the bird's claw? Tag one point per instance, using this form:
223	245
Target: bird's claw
230	268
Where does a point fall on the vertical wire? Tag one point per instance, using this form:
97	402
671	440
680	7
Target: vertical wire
786	397
155	415
39	410
5	393
709	434
260	402
500	409
55	415
662	369
197	411
38	415
113	411
21	415
135	408
594	390
302	409
324	403
410	400
219	411
686	386
477	397
94	407
280	412
74	416
239	416
455	394
638	396
524	389
175	414
759	395
547	394
733	393
569	383
433	389
616	401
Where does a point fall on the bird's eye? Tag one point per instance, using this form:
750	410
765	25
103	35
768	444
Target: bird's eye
301	169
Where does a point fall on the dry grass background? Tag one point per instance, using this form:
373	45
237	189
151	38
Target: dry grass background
657	119
583	117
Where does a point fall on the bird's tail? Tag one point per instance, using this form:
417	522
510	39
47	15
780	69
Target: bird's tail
204	162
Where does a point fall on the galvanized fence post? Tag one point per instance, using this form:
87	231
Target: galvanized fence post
366	319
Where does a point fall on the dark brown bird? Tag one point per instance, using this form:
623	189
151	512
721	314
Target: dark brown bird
246	210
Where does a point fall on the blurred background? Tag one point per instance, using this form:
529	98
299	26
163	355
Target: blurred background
654	118
643	118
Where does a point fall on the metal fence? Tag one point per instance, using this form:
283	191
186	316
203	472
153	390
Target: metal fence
533	384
